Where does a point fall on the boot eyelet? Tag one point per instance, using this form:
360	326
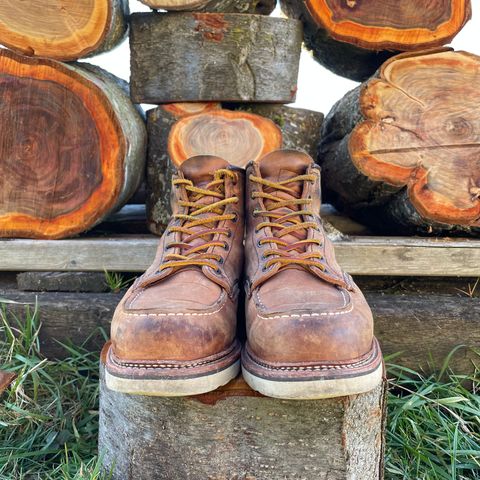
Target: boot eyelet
221	261
235	218
229	234
265	268
226	247
259	244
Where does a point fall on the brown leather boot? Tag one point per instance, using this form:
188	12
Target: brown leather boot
174	332
309	328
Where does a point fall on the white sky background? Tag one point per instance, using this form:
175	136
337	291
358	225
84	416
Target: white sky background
318	88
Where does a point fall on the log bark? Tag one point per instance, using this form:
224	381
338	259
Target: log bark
159	167
401	152
224	57
262	7
235	433
238	137
353	38
62	29
72	147
301	129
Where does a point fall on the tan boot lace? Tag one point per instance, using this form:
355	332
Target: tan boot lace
287	253
198	255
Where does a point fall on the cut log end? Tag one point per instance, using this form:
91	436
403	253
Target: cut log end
61	29
238	137
382	25
183	109
417	134
62	148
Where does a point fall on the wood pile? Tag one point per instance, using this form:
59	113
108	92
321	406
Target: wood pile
401	152
353	38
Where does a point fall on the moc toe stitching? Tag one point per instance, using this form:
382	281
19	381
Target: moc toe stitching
343	310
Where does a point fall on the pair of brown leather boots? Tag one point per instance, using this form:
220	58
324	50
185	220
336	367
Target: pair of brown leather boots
309	329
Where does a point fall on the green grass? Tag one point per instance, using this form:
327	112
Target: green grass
116	282
49	416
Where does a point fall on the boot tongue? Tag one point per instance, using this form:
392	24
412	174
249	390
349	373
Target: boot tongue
200	169
279	166
283	164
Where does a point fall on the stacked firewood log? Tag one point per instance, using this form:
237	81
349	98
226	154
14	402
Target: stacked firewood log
72	144
399	153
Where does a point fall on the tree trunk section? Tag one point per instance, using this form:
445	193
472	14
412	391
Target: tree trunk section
238	137
62	29
235	432
223	57
401	153
72	147
262	7
301	129
353	38
159	167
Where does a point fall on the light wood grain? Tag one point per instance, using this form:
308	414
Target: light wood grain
240	435
390	256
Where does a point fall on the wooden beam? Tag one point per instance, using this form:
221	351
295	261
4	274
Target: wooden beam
389	256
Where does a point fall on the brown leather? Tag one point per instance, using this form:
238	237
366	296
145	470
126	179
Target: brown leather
188	313
299	314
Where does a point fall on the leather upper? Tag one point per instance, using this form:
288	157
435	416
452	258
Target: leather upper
298	314
189	312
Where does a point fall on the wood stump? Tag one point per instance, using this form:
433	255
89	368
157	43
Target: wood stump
402	151
354	37
72	147
263	7
301	129
238	137
62	29
235	433
202	57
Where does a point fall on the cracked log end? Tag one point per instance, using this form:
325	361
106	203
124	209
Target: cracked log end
61	29
421	130
383	24
64	147
238	137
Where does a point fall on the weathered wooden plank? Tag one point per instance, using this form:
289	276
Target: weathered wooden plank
89	282
77	318
233	433
391	256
